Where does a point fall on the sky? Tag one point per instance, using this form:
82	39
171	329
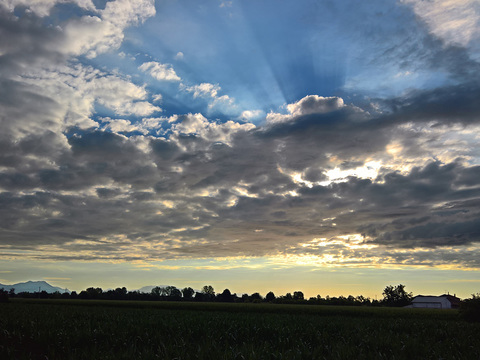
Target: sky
325	146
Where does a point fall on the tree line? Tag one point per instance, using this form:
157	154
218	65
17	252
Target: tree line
392	296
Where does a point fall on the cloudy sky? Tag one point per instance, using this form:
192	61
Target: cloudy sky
323	146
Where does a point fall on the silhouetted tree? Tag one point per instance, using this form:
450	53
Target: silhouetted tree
351	300
393	296
225	296
270	296
298	295
208	290
166	293
120	293
117	294
91	293
470	308
256	297
173	293
200	296
158	291
396	296
208	293
188	293
315	300
362	300
3	296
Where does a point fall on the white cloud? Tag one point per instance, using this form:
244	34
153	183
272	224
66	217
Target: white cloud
455	21
42	7
77	88
210	91
119	125
123	125
139	108
210	131
314	104
311	104
124	13
91	35
120	95
112	91
249	115
202	90
161	72
191	123
223	101
157	98
74	90
152	123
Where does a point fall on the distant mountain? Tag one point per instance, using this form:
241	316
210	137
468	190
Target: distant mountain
33	286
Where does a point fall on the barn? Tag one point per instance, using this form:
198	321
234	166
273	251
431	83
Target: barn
444	301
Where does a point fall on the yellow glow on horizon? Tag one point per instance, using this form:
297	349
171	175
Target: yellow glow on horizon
349	251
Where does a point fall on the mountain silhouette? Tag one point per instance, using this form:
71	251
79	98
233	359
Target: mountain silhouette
33	286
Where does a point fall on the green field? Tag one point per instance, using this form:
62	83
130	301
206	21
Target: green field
69	329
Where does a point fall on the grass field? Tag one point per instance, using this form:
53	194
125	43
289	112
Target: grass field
69	329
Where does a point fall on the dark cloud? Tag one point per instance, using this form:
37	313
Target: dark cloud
469	177
25	41
435	234
446	105
233	198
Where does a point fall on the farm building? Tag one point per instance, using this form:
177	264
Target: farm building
444	301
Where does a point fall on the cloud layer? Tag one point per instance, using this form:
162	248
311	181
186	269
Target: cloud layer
91	168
